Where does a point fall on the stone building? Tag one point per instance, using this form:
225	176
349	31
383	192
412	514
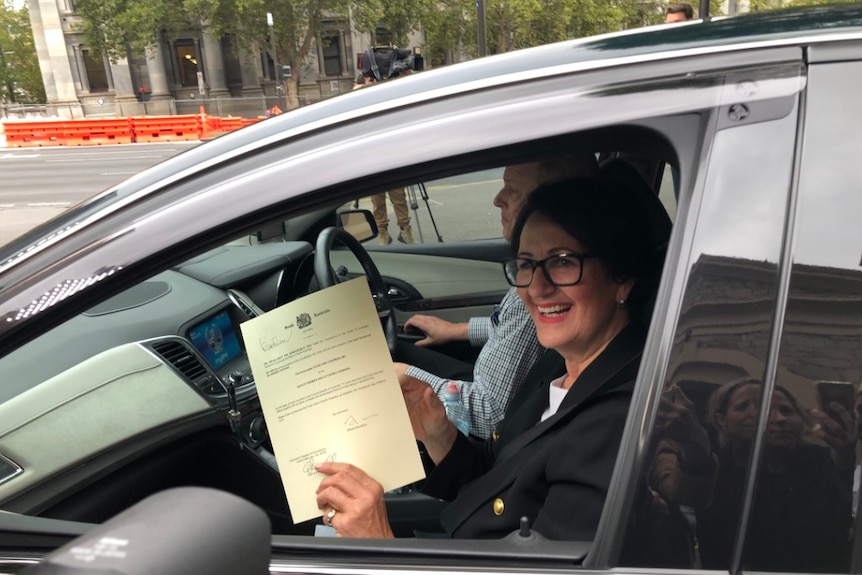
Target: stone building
181	73
725	327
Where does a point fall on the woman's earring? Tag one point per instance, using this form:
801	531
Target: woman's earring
621	302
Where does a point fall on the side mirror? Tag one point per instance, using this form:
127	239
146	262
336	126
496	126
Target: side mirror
358	223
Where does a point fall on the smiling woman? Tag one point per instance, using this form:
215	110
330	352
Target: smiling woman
573	404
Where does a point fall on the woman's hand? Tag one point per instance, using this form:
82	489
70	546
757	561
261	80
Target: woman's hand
677	421
437	331
428	417
355	498
837	429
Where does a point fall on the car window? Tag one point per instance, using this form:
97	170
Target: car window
809	453
163	326
447	209
685	513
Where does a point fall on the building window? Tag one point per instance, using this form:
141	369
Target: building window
331	55
187	63
97	74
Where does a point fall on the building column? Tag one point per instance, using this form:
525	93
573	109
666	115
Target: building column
53	53
156	71
83	83
214	67
250	66
121	76
42	50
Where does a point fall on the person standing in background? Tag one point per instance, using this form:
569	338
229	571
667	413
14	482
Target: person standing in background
398	197
678	12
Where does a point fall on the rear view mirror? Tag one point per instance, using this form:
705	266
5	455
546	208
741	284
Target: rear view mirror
358	223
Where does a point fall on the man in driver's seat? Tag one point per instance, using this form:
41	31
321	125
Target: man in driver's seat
508	336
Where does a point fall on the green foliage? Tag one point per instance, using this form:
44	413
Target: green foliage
449	29
514	24
449	26
763	5
114	26
400	18
20	77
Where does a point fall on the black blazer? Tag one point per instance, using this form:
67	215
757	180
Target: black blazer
555	472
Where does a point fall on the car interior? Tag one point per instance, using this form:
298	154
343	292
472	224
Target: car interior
140	390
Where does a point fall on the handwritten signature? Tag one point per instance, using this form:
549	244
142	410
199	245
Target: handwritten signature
268	342
308	466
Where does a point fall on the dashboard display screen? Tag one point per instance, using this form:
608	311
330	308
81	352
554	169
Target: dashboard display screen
216	339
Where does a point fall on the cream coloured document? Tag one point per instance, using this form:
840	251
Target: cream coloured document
329	392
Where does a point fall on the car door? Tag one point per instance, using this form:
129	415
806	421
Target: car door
763	366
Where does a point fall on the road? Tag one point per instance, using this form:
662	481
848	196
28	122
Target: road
38	183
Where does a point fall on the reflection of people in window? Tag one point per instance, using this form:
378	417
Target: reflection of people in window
800	518
680	478
857	428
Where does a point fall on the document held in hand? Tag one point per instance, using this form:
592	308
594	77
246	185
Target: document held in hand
329	392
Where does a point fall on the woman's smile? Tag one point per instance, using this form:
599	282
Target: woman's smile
553	313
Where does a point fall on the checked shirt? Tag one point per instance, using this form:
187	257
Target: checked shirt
509	350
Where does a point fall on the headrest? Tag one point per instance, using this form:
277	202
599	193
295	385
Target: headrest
620	173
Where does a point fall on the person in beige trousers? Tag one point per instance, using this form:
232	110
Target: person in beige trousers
398	197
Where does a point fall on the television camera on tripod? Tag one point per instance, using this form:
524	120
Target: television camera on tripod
379	64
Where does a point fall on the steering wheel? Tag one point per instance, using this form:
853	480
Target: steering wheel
326	277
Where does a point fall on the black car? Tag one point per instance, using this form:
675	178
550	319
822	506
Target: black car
747	128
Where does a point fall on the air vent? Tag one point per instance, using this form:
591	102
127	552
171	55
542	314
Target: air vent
179	355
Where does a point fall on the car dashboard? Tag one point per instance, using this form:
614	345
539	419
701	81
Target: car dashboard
134	381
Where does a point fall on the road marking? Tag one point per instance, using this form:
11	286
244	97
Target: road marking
49	205
90	159
12	156
118	173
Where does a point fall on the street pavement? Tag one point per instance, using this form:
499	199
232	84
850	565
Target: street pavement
16	219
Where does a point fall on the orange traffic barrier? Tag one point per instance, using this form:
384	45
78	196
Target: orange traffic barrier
166	128
120	130
35	134
98	132
231	124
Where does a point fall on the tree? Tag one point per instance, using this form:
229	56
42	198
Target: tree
297	24
113	27
400	18
116	26
515	24
450	30
20	77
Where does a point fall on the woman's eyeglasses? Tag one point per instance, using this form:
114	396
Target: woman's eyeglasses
560	269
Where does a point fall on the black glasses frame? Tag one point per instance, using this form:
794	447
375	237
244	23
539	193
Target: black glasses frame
543	264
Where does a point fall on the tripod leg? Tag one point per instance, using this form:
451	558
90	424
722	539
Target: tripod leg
414	205
424	192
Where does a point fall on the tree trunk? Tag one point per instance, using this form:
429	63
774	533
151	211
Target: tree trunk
291	87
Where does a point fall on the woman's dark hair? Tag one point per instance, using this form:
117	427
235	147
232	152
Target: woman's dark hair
609	219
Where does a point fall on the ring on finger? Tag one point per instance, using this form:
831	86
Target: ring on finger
329	515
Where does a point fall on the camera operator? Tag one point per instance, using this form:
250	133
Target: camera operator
395	63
